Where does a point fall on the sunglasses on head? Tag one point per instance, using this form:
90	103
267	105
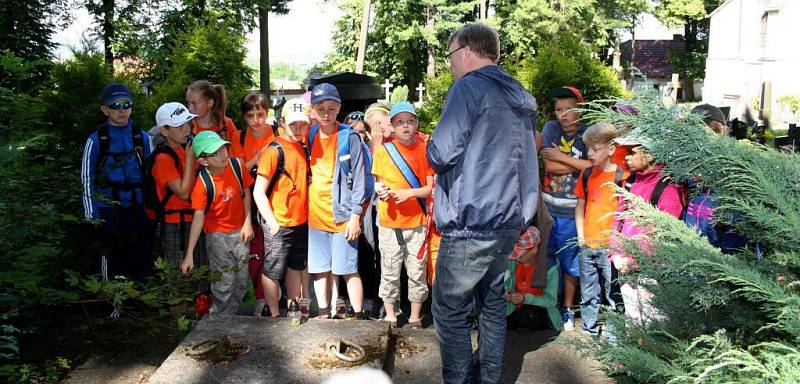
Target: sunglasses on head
117	105
355	116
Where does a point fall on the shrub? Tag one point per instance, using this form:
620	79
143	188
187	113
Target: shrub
436	88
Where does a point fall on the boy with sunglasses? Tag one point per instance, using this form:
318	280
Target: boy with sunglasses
111	174
281	194
221	203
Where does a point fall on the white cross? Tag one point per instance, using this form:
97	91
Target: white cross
420	88
387	85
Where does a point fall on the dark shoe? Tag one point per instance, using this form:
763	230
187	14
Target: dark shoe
375	313
350	313
363	315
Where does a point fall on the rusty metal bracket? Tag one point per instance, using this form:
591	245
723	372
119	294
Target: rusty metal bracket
347	350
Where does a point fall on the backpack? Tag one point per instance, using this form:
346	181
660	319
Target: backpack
659	190
343	144
104	152
208	182
405	169
617	179
149	187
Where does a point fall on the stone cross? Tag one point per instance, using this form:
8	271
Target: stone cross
420	88
675	85
387	85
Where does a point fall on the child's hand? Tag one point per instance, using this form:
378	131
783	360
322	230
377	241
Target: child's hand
246	234
383	191
273	226
552	154
353	228
188	264
516	298
401	195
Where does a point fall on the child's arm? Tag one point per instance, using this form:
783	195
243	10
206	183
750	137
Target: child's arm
254	161
558	162
246	234
90	159
580	209
183	187
263	204
194	235
401	195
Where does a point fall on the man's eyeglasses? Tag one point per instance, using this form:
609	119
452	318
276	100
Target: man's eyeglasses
355	116
119	105
447	57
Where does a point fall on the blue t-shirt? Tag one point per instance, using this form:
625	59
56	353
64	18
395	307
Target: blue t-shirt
558	188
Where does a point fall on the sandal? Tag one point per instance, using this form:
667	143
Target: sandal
416	324
392	324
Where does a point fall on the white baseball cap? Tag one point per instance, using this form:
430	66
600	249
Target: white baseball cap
173	114
295	110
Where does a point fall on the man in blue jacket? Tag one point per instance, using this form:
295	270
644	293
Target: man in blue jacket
484	155
111	173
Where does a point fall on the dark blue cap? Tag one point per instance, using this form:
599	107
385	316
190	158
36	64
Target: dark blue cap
115	91
323	92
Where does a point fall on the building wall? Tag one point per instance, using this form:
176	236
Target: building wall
744	52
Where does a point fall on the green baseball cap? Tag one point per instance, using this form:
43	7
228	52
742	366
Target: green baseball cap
207	142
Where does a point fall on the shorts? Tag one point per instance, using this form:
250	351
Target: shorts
331	252
563	244
287	248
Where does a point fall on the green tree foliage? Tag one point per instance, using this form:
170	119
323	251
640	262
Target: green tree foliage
529	24
212	50
566	61
727	318
436	88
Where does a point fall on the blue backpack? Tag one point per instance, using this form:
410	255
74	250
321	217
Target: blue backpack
343	152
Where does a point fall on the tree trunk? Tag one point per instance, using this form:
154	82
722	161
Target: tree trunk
430	24
263	26
362	39
687	85
108	29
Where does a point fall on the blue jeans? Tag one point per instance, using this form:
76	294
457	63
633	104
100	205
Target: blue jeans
595	286
469	276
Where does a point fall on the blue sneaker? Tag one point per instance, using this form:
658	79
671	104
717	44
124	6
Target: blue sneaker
568	319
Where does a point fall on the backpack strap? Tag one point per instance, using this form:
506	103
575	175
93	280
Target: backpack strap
311	135
237	171
585	180
138	144
279	170
208	182
659	189
104	146
618	176
242	137
629	182
343	151
405	169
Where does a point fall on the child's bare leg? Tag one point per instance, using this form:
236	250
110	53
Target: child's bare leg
389	308
271	294
321	289
355	290
416	310
304	280
293	281
570	284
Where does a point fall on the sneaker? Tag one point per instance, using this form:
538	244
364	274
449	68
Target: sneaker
568	319
375	313
293	313
305	311
341	309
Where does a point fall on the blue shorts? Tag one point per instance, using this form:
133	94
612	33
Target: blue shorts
562	243
331	252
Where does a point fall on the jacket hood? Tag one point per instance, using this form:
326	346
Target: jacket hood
511	90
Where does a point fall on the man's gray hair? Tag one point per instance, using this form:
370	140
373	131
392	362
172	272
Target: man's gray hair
480	38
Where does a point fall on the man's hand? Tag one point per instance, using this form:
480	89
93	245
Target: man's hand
353	228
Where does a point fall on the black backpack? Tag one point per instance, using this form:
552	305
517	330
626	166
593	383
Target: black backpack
149	187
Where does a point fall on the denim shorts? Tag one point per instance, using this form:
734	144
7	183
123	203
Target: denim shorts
562	243
331	252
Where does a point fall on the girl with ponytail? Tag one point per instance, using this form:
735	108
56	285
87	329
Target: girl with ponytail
209	102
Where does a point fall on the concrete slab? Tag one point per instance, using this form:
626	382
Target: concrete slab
278	352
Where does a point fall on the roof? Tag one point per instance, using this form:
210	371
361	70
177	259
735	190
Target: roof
652	56
714	12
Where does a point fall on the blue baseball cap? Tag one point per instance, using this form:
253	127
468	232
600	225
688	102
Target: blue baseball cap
115	91
324	91
403	106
